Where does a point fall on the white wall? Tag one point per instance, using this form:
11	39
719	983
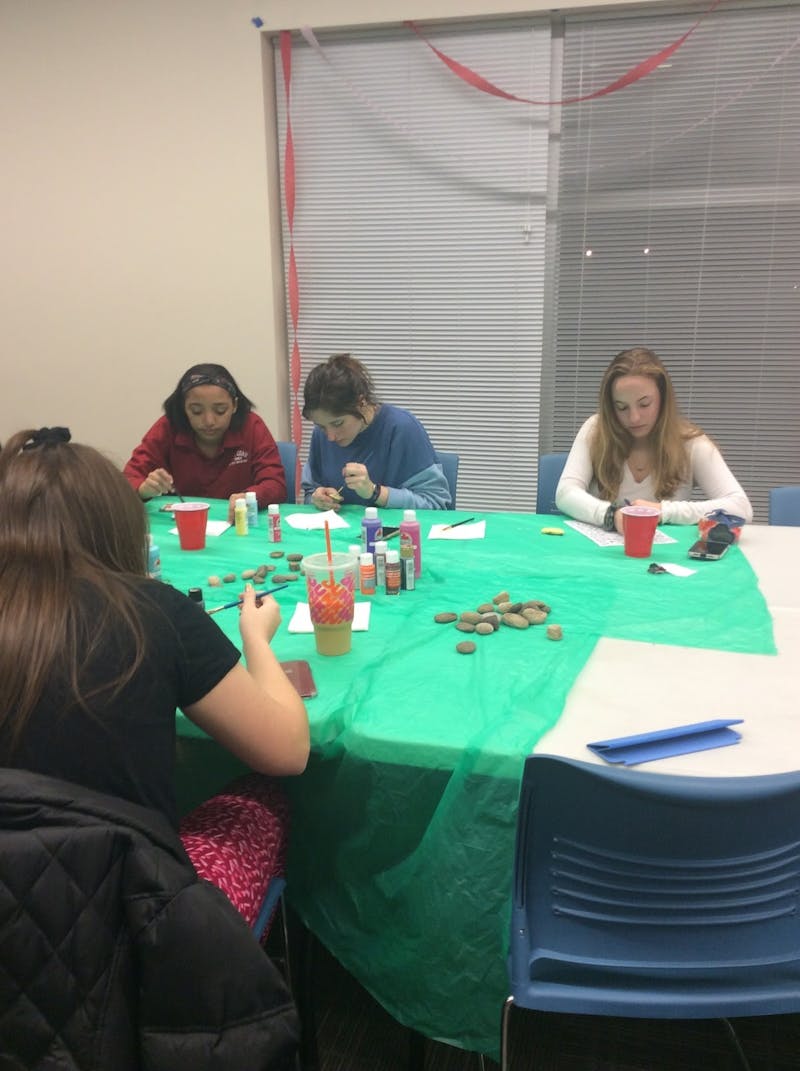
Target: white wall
139	219
134	211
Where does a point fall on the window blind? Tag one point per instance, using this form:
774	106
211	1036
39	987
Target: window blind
679	227
419	234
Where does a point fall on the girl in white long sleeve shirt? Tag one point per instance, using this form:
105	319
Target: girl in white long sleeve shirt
639	449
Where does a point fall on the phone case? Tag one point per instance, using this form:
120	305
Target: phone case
703	551
299	673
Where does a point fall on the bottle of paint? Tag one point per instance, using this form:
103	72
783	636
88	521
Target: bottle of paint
380	563
410	526
366	573
153	559
252	509
196	595
369	528
407	577
240	517
392	572
274	521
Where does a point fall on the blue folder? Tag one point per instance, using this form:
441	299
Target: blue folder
680	740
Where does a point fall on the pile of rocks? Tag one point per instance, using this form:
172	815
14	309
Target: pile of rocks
489	616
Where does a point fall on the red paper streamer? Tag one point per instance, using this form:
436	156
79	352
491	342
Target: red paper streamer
645	67
292	283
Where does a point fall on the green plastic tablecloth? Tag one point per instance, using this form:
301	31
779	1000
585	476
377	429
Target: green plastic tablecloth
403	823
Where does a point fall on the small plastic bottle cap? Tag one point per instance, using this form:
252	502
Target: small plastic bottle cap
371	513
273	508
196	594
365	558
380	546
409	514
392	556
355	548
241	504
250	496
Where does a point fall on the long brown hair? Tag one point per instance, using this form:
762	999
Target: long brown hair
70	525
611	444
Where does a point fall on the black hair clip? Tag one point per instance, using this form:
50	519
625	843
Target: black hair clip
48	437
654	567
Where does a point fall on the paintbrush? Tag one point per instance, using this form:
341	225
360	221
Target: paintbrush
455	524
259	595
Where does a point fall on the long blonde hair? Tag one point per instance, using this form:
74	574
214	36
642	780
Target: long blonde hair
71	528
611	444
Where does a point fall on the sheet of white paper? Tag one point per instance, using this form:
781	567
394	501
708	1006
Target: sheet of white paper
677	570
309	521
477	530
213	528
301	618
612	539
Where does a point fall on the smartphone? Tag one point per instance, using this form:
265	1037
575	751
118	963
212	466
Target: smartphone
707	552
299	673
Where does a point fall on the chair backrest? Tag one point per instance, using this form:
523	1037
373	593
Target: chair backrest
640	894
288	452
550	468
784	506
449	462
102	908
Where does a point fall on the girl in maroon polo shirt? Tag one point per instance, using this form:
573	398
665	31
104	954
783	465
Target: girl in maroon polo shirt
208	444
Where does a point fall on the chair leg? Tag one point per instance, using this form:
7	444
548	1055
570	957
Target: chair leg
734	1038
505	1016
416	1050
301	956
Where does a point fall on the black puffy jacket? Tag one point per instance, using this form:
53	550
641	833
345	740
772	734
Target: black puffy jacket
113	954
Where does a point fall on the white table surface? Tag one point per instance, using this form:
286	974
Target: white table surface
629	687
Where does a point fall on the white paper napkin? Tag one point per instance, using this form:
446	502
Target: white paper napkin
301	618
309	521
476	530
213	528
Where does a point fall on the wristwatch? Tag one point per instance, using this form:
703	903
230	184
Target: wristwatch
373	498
608	520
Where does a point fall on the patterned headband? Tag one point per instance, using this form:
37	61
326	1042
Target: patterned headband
198	380
48	437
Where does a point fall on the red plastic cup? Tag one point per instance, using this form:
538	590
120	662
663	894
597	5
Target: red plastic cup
191	518
639	525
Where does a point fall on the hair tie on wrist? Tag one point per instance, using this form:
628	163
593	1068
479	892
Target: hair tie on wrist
48	437
373	498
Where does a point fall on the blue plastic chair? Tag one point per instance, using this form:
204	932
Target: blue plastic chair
550	468
288	452
449	463
650	896
784	506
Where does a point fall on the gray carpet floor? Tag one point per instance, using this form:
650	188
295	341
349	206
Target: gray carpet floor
355	1034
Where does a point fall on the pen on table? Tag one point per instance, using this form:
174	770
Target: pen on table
455	524
259	595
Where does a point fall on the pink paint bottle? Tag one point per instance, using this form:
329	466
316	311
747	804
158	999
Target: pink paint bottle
274	523
410	526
